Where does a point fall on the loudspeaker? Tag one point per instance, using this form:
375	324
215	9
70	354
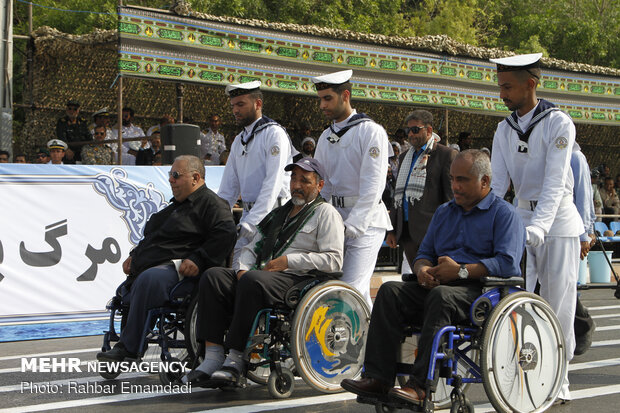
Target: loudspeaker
179	139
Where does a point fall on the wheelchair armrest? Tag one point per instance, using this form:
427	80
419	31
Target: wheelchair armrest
515	281
183	288
326	275
409	277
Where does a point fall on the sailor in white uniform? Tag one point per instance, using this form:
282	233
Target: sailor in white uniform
354	152
533	148
255	167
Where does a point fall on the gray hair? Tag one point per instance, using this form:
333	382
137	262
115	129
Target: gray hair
194	164
481	163
421	115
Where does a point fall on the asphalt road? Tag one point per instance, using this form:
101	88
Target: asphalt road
594	377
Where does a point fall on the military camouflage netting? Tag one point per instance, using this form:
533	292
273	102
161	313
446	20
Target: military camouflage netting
84	68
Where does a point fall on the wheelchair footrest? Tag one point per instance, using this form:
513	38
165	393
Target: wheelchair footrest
390	403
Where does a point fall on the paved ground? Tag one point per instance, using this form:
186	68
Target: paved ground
595	380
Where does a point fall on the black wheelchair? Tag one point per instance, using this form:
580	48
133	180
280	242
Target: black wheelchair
514	346
318	333
168	331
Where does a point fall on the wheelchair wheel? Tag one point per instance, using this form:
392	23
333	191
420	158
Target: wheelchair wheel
523	357
281	387
190	334
468	407
330	326
171	377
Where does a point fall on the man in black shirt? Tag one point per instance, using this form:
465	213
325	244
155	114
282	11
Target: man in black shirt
73	128
197	227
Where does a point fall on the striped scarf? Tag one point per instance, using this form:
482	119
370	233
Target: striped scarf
417	178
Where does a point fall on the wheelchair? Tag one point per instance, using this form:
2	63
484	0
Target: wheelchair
319	333
167	330
513	345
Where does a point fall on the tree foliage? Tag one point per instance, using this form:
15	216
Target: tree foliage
586	31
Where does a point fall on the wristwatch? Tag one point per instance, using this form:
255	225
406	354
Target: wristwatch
463	273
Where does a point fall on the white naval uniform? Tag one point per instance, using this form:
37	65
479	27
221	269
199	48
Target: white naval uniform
543	174
212	143
131	131
356	169
256	173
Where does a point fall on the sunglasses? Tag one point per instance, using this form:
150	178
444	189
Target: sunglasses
414	129
175	174
41	156
99	133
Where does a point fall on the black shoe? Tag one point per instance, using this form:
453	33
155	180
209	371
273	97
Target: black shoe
198	378
226	376
584	341
118	353
366	387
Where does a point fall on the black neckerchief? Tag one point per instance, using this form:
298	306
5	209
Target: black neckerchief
543	108
353	121
278	233
261	124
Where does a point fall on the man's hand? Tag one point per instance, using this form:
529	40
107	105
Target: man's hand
277	264
446	269
69	154
127	265
426	279
188	268
391	239
585	248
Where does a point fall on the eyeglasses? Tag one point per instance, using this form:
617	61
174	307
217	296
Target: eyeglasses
99	133
176	174
414	129
41	155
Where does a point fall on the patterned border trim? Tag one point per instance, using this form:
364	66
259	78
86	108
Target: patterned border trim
198	38
204	37
162	67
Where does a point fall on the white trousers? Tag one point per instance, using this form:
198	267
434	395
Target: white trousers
360	258
241	242
555	264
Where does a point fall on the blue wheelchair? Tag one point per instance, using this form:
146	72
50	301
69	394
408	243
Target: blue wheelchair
318	333
513	345
168	331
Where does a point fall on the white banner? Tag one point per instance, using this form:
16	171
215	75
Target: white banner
65	231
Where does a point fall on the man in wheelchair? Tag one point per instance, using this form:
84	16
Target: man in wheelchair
474	235
197	227
292	243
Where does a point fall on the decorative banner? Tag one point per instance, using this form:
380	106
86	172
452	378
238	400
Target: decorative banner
164	46
67	229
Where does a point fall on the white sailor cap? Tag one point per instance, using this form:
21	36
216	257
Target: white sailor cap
57	144
102	112
242	88
332	79
518	62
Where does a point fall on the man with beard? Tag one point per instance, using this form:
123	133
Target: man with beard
533	148
130	149
98	153
255	166
354	151
292	243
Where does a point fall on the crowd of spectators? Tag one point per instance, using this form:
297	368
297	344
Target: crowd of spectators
94	144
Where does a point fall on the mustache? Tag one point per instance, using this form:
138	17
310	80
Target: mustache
297	191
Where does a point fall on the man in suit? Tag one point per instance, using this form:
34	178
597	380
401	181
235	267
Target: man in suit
422	185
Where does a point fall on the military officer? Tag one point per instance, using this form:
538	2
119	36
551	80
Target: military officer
255	167
57	150
354	152
533	148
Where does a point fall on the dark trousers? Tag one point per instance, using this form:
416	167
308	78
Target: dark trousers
583	320
409	246
150	290
225	303
399	304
